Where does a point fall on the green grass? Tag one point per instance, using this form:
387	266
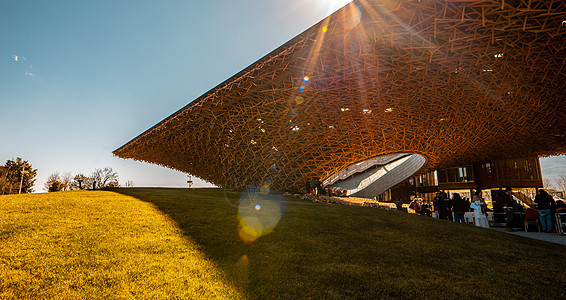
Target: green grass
169	243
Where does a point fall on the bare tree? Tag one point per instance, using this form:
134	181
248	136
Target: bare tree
81	182
66	181
561	182
54	177
547	183
105	177
129	183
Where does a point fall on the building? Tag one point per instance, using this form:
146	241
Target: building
457	83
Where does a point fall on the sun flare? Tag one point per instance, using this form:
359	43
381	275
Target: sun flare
333	5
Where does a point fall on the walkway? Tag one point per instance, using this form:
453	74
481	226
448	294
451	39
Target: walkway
547	237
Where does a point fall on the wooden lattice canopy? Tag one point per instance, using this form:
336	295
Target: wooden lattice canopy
457	81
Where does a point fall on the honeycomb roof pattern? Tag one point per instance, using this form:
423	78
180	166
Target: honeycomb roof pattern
457	81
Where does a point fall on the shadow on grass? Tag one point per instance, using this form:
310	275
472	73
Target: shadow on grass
333	251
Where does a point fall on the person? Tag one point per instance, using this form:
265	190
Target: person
447	205
318	188
479	206
398	204
545	203
509	206
414	205
425	209
460	208
437	203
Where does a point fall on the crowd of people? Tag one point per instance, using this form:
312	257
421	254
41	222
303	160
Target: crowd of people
315	188
455	208
443	207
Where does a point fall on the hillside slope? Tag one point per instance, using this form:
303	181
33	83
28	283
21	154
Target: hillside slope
161	243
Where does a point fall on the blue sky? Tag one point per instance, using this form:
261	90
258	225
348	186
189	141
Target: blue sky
78	79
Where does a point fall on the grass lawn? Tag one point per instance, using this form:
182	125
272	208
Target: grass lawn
179	243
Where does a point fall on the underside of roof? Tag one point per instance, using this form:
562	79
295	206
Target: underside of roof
457	81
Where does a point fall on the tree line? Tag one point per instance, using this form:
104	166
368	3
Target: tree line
17	176
100	178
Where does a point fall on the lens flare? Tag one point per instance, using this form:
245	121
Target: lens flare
324	29
302	89
352	16
259	212
306	79
299	100
241	269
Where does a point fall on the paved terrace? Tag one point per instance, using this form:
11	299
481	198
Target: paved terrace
547	237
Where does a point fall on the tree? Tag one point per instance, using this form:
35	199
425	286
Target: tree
547	183
561	182
56	186
81	182
3	179
66	181
103	178
17	176
129	183
54	177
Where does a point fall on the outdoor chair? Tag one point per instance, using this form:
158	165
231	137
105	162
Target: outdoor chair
531	217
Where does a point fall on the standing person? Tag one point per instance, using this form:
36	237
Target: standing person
479	206
437	203
398	204
545	203
460	208
313	187
509	206
414	205
318	188
447	205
